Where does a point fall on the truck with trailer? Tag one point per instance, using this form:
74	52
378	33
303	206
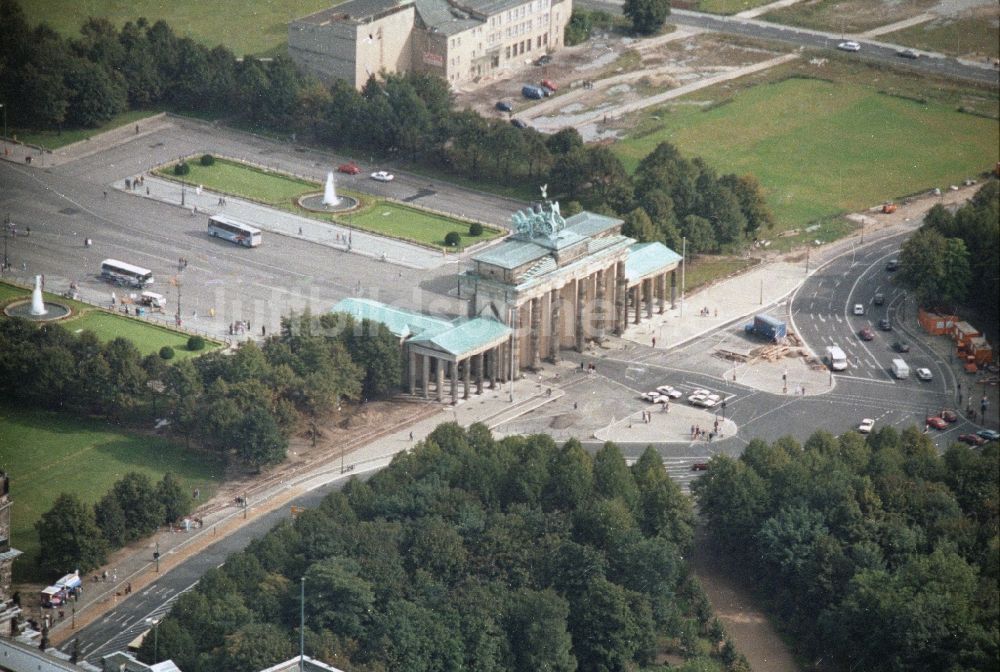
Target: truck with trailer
767	327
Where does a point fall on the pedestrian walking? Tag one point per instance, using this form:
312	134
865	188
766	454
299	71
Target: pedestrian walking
147	191
105	195
411	436
654	341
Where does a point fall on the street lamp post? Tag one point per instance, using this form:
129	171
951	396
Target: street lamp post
156	638
4	122
156	557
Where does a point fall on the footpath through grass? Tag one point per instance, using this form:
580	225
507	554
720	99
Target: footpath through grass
972	37
46	454
55	139
281	190
244	27
820	148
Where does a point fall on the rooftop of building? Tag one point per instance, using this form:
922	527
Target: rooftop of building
441	17
645	259
354	11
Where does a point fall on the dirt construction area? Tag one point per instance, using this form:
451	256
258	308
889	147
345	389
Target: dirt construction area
609	76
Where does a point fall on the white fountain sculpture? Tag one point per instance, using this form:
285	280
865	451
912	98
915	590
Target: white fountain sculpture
37	303
330	193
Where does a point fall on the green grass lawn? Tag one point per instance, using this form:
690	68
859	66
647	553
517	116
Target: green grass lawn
237	179
46	454
55	139
821	148
705	269
419	226
147	337
728	6
968	37
244	27
848	16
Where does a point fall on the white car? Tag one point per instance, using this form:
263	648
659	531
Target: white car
924	374
859	309
670	391
710	400
700	391
850	45
382	176
866	426
696	399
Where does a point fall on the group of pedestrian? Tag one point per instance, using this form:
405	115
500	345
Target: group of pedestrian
134	183
589	368
705	312
647	417
222	200
241	327
698	433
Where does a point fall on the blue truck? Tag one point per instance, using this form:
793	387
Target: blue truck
532	91
767	327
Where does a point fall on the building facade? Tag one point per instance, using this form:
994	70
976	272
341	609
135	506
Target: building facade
458	40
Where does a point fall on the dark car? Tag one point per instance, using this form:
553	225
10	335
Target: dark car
518	123
879	299
884	324
907	53
988	434
504	106
949	415
936	422
545	59
892	265
972	439
900	346
866	334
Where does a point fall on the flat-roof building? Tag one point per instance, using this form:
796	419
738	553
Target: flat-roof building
458	40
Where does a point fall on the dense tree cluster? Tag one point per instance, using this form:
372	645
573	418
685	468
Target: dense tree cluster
878	553
647	16
244	404
465	553
75	536
954	259
83	82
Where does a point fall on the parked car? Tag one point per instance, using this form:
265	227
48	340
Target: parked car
699	466
937	422
866	426
544	59
859	309
924	374
504	106
651	397
866	334
907	53
949	415
850	45
670	391
884	324
901	346
549	84
972	439
517	123
879	298
892	265
988	434
382	176
350	168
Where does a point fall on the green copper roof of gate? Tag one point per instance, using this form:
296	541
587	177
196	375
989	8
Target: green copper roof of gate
457	337
647	258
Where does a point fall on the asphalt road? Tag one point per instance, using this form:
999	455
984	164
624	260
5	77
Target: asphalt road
871	50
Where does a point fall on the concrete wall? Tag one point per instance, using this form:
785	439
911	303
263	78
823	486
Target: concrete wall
384	44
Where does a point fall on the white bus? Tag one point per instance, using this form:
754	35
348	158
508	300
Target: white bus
121	273
221	226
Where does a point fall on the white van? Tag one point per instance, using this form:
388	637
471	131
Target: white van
835	358
900	369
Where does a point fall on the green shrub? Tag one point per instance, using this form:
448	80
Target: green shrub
166	352
475	229
207	160
182	168
196	343
452	239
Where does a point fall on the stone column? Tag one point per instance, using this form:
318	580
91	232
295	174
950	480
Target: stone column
555	301
454	381
599	308
491	365
466	377
425	375
411	376
440	379
535	320
648	285
516	344
673	289
637	301
621	299
661	283
503	358
581	302
480	359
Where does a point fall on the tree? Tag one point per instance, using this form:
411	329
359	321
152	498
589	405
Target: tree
537	627
258	439
935	268
143	511
174	498
69	537
256	646
607	632
699	233
565	140
638	225
647	16
94	96
110	519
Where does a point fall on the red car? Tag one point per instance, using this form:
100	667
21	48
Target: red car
549	84
699	466
937	422
949	415
971	439
866	334
350	168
